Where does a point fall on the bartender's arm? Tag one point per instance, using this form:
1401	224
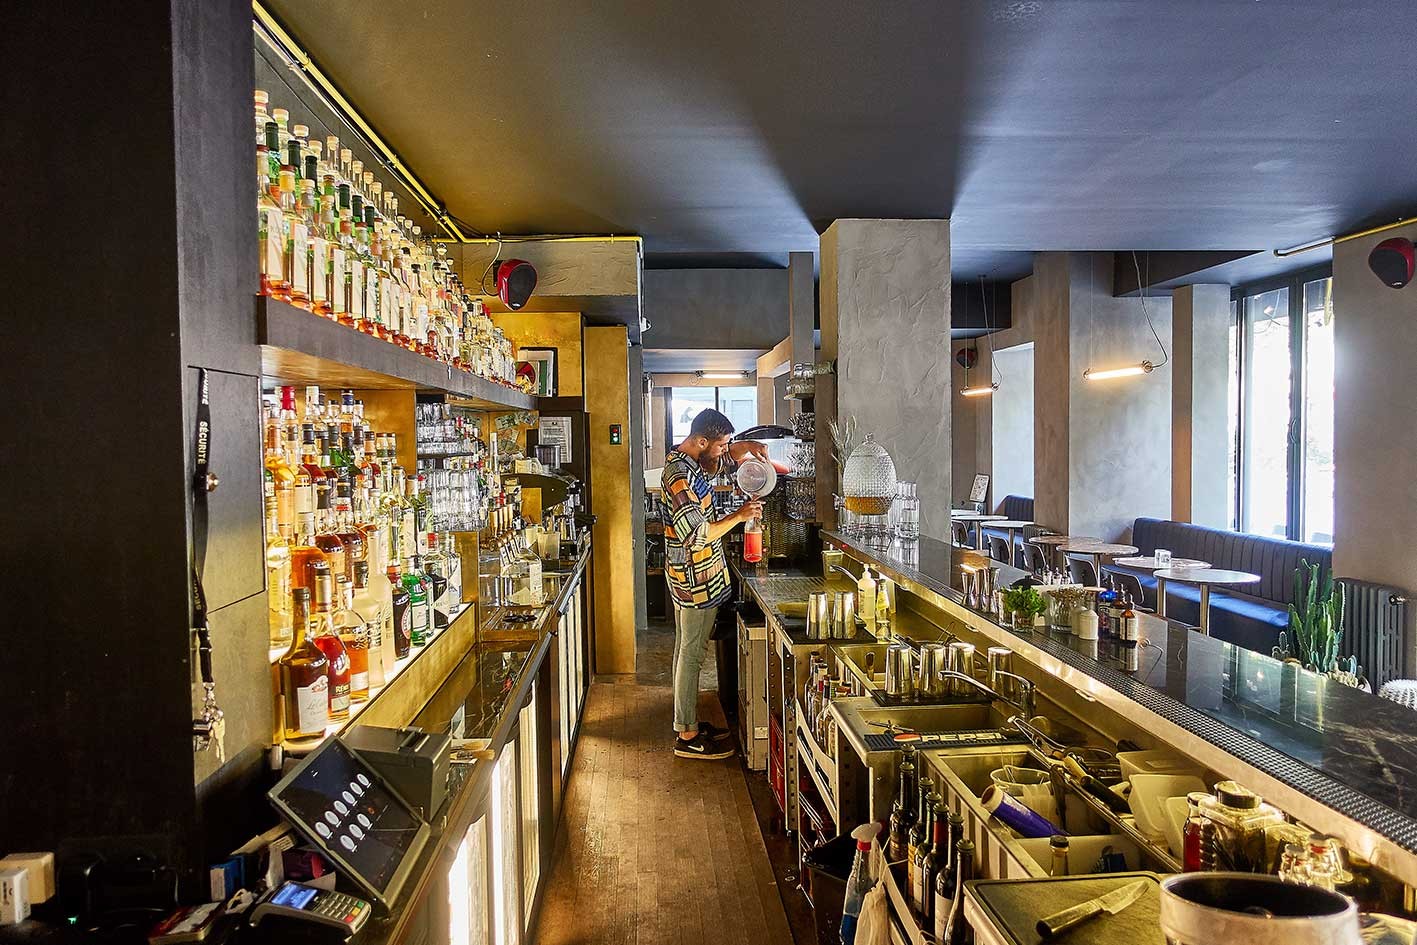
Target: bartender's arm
723	526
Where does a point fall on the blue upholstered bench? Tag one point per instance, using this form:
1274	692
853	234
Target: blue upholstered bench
1251	618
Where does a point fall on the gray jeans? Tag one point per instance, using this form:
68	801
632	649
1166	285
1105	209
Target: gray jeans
692	628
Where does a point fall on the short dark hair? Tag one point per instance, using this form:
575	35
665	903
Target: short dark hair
711	424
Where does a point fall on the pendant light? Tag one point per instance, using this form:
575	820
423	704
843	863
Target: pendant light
1129	370
983	390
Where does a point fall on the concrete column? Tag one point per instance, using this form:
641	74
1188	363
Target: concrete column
801	314
886	297
1200	448
1375	441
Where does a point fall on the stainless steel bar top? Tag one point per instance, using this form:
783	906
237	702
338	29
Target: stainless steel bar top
1315	746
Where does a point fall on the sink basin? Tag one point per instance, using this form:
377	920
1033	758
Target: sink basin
936	718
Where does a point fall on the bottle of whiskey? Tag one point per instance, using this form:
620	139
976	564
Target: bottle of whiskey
322	631
304	554
903	813
420	619
402	619
278	578
353	632
304	678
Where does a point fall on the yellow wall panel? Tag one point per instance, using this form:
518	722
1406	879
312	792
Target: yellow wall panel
558	330
607	400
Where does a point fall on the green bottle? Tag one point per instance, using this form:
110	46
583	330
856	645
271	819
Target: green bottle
417	601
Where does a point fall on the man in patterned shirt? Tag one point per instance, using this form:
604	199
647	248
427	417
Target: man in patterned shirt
695	565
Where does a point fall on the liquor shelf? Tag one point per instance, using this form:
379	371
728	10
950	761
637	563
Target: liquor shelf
301	348
1338	759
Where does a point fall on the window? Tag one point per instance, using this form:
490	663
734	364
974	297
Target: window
1281	408
738	404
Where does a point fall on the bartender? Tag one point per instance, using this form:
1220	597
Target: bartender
695	566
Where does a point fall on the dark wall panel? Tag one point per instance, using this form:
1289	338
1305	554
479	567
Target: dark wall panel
716	308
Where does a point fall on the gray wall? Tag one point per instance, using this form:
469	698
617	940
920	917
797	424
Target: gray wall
965	420
1013	423
1375	440
716	308
886	294
1200	445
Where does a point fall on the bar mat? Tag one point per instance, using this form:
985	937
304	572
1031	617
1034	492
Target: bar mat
1016	905
969	738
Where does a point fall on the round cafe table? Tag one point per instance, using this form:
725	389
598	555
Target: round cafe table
1205	577
1051	542
976	518
1011	526
1097	550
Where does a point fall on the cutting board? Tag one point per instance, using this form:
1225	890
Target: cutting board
1016	905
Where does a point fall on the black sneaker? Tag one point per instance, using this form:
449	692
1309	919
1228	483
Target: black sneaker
712	732
700	747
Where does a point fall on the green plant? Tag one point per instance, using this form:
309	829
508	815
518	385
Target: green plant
1315	617
1024	600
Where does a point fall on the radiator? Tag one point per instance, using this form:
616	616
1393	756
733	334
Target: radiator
1375	629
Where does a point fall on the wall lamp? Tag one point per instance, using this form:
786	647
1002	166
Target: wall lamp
1131	370
980	391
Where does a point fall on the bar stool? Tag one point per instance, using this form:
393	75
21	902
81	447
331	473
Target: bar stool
999	549
1082	571
1034	559
960	531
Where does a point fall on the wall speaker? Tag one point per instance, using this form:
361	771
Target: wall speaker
1392	261
516	279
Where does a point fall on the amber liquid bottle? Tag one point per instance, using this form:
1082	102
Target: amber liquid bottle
353	632
304	554
304	677
322	631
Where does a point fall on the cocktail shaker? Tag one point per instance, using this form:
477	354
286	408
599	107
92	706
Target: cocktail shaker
933	660
900	671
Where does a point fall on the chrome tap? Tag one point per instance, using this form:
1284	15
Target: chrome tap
1023	699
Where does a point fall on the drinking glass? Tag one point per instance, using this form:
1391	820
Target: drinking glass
1163	558
907	512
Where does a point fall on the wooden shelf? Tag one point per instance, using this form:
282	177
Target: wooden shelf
298	347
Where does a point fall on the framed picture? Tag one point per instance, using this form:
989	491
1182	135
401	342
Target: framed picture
539	364
980	489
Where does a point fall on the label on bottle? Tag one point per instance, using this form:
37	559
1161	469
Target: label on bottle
356	287
285	506
912	882
305	500
272	244
319	269
418	616
312	706
337	280
386	301
942	915
371	297
358	682
299	246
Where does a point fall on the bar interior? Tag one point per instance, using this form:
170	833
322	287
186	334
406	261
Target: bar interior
927	476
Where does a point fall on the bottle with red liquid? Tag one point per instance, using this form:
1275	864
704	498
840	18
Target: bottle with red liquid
753	541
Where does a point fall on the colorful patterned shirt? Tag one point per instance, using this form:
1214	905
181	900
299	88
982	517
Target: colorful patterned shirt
696	568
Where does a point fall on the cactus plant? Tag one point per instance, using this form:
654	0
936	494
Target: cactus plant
1316	624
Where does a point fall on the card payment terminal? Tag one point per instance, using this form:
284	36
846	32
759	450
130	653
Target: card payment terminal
292	904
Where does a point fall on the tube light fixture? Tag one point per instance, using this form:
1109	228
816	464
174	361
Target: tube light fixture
721	375
1130	370
980	391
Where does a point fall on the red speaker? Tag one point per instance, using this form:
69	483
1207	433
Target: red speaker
1392	261
516	279
967	357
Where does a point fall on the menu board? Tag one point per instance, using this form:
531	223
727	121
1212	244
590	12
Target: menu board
338	802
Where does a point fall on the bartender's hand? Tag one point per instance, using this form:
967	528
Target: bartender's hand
748	511
742	449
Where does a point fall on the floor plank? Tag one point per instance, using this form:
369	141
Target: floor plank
653	849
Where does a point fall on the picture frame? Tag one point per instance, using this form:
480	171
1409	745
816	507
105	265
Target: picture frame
540	365
979	491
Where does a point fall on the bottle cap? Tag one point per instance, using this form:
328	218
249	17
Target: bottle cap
281	115
300	131
262	97
1234	794
1058	842
301	594
864	834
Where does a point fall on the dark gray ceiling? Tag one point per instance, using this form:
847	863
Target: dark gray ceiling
744	128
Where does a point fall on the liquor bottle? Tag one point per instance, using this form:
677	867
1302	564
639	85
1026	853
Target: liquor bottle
950	925
1058	847
304	677
327	540
305	554
435	568
1131	627
279	473
936	862
420	620
400	603
903	813
374	602
318	496
924	862
919	837
296	238
316	246
454	569
278	578
946	864
353	632
270	221
322	631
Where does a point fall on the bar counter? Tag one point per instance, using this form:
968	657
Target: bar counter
1340	760
481	705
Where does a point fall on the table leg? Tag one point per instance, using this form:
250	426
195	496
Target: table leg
1161	597
978	536
1205	610
1097	569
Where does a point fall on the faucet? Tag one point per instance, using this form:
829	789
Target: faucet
837	567
1023	700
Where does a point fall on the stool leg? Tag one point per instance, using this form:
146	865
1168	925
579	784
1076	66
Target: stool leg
1205	609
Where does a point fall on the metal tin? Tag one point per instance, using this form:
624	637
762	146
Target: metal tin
843	614
900	671
933	661
1000	660
818	615
961	660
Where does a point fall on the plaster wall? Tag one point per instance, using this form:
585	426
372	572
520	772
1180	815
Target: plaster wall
1200	449
1012	432
1375	441
891	300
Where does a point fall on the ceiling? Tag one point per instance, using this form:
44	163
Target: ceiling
687	361
738	131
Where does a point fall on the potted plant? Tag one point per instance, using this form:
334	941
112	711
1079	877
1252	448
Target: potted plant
1316	625
1026	605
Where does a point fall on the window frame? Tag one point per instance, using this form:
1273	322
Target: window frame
1296	435
670	439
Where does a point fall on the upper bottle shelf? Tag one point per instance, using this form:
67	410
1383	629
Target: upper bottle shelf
302	349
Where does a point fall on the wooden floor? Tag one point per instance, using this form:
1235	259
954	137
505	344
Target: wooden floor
653	848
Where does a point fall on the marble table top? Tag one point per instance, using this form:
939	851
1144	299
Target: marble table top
1062	539
974	517
1207	576
1009	523
1149	563
1098	548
